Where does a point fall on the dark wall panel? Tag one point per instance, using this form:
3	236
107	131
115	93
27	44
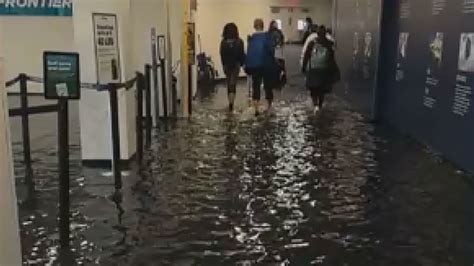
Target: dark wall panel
357	32
427	73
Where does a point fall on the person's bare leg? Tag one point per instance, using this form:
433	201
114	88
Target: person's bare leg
315	99
231	98
256	107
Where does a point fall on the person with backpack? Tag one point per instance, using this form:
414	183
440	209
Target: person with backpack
321	69
280	78
232	57
313	37
260	63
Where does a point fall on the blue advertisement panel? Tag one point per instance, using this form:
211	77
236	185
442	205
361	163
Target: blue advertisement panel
357	34
429	74
36	8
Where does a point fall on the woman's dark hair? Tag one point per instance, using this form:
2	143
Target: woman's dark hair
322	31
230	31
309	20
273	25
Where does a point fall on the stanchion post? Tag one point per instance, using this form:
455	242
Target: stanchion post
174	97
149	121
25	124
190	89
163	88
161	53
154	67
114	116
63	156
139	120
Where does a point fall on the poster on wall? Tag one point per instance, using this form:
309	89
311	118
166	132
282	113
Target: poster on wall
465	77
468	7
368	67
402	55
438	6
433	70
36	8
106	48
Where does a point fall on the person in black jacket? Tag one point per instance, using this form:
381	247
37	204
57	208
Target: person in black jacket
321	69
233	58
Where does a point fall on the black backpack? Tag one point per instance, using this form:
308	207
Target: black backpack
230	51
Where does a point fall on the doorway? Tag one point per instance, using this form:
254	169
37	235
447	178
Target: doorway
291	21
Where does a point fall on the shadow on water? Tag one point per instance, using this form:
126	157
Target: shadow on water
282	189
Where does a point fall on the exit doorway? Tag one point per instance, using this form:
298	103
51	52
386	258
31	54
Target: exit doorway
291	20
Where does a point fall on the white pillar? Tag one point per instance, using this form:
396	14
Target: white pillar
10	250
94	106
145	15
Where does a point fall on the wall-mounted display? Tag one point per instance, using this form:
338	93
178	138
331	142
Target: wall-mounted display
466	52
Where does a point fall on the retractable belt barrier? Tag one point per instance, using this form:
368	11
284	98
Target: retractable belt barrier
61	108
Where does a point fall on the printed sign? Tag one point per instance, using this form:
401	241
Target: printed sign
61	75
106	48
36	7
191	37
161	47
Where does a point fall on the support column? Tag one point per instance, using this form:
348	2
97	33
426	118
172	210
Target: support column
94	106
10	249
185	60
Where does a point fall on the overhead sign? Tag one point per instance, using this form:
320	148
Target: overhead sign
106	48
36	7
61	75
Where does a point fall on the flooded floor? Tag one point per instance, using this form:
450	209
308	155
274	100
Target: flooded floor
284	189
289	188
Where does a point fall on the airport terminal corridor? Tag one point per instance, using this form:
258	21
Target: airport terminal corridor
288	188
119	147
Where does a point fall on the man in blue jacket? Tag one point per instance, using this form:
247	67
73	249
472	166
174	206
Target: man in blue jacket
260	62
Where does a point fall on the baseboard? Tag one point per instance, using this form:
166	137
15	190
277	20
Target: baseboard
124	164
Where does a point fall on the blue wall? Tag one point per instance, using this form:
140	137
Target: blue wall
426	69
427	92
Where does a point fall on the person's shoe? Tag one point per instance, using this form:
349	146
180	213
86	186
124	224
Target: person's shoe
257	111
316	110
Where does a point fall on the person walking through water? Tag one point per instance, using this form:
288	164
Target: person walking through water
321	69
232	57
280	69
313	37
259	63
309	28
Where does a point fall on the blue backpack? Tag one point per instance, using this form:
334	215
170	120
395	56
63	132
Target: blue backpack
256	50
